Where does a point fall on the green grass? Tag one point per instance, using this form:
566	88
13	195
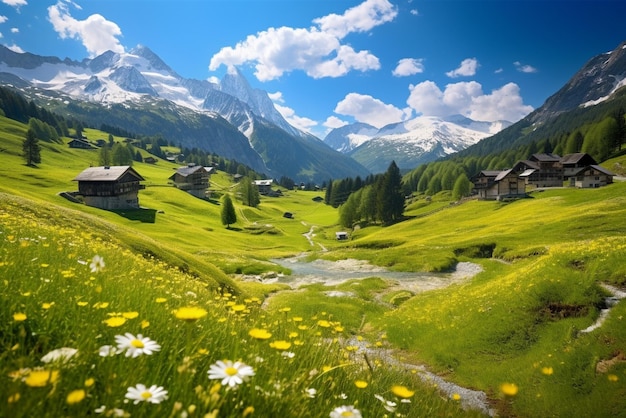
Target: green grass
518	321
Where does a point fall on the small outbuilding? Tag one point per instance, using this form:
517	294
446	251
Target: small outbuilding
110	187
341	235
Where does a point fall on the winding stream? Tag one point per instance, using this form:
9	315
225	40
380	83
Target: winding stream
336	272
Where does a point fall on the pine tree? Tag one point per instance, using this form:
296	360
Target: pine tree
228	212
390	198
31	149
249	193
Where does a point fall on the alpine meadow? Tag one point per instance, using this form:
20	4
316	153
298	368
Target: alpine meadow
208	259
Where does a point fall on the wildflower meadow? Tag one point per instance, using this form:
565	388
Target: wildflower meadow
89	328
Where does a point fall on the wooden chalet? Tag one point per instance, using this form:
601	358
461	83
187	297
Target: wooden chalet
115	187
80	144
549	172
194	179
591	176
264	186
499	185
572	163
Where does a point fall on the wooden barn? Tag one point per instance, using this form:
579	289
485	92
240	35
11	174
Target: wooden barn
111	188
194	179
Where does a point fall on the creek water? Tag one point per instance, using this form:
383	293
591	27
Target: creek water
335	272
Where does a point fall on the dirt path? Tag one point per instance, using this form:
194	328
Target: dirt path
310	235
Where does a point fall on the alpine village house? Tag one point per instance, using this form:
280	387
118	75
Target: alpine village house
541	170
110	187
194	179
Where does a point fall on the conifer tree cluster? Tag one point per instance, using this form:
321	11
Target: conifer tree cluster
381	201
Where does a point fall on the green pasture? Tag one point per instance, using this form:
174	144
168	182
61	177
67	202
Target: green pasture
519	322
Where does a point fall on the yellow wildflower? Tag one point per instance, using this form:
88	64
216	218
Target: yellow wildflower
402	391
75	396
130	315
190	313
509	389
19	317
547	370
40	378
361	384
115	321
280	345
260	334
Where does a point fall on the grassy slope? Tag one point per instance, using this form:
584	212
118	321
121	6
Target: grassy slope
505	325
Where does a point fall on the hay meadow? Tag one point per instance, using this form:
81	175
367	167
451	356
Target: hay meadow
164	312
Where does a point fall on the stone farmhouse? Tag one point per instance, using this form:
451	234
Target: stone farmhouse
194	179
541	170
110	188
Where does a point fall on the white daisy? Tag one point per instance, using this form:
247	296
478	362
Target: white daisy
97	264
345	411
107	351
140	393
136	346
61	355
232	374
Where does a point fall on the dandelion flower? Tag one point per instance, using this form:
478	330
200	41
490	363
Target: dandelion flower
509	389
323	323
115	321
260	334
136	346
402	391
547	370
612	378
280	345
232	374
456	397
19	317
14	398
361	384
345	411
75	396
97	264
190	313
160	300
61	355
140	393
40	378
130	315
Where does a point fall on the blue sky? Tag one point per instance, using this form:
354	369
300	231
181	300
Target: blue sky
327	63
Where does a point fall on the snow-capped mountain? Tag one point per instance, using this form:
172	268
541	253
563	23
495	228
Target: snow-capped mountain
410	143
140	81
595	82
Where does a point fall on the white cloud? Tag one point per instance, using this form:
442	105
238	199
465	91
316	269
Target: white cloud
468	99
524	68
334	122
361	18
96	33
467	68
276	97
369	110
302	123
414	12
15	48
15	30
318	51
3	19
15	3
498	71
408	66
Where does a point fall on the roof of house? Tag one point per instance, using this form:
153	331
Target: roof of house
575	157
263	182
596	167
189	169
489	173
527	172
503	174
107	173
546	157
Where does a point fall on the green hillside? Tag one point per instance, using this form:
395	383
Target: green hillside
513	331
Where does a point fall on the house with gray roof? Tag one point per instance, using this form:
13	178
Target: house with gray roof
193	179
110	187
